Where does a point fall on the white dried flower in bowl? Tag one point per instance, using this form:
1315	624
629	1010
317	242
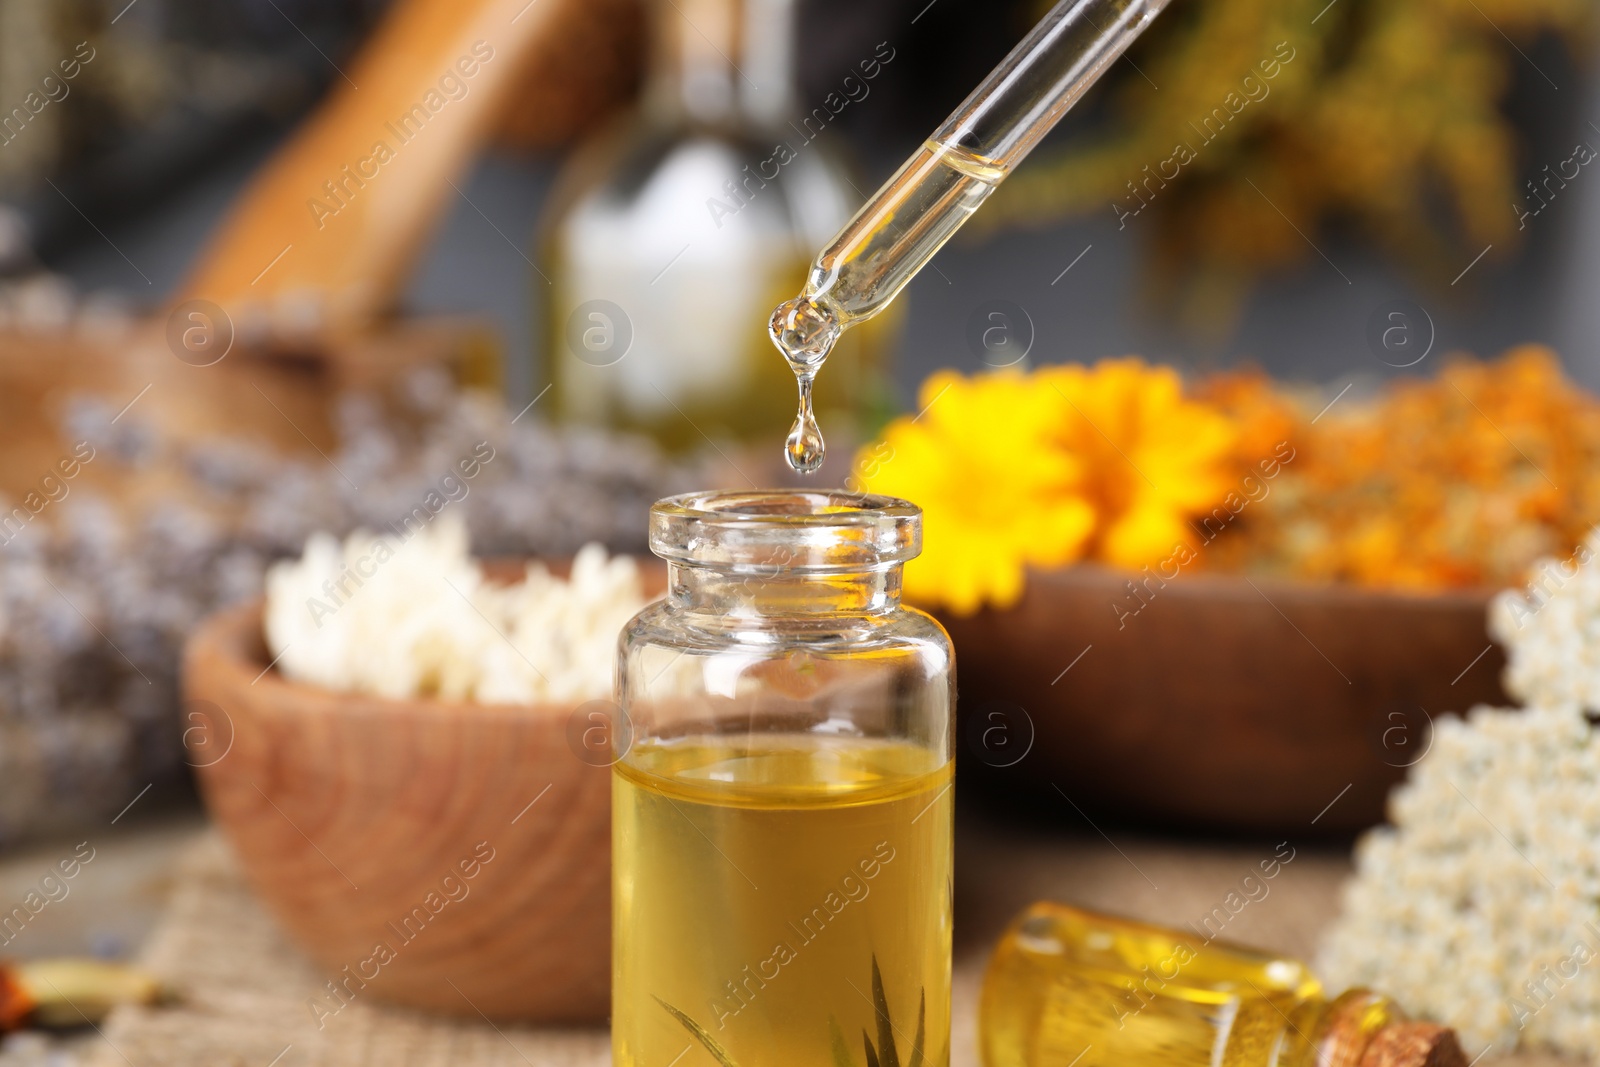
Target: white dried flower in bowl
417	617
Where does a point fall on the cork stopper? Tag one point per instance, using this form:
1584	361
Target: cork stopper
1412	1044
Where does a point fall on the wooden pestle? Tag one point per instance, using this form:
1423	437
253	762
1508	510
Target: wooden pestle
319	243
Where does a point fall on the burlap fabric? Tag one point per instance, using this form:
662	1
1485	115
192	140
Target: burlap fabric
246	988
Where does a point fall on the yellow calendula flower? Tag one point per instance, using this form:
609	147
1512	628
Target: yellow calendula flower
1152	459
1015	470
997	491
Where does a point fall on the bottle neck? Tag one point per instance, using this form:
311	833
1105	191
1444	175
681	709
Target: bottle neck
723	62
783	594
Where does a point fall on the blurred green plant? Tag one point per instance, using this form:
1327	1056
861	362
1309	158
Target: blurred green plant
1388	115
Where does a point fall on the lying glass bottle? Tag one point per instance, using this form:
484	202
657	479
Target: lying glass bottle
1070	987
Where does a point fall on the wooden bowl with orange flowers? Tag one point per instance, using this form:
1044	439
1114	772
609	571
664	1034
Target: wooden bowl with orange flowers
1223	703
1225	603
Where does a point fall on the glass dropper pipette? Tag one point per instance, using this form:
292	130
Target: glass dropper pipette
917	210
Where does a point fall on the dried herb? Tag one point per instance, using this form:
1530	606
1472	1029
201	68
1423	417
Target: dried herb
1387	114
700	1034
884	1054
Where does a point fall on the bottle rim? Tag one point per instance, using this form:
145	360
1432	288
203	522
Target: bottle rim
772	531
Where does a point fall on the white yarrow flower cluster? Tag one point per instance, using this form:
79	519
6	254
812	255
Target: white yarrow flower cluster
417	617
1479	906
1552	631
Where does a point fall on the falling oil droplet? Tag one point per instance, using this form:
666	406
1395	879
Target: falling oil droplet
805	333
805	450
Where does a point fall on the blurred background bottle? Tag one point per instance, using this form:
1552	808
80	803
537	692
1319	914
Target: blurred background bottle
672	236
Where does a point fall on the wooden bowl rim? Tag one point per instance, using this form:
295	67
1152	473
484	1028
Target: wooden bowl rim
231	634
1219	586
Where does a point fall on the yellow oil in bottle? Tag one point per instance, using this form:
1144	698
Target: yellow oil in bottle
1067	986
781	903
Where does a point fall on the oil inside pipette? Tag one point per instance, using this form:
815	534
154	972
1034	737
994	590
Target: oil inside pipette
868	263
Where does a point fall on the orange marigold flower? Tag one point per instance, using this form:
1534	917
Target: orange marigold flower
997	491
1153	458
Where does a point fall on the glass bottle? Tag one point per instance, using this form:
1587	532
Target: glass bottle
672	236
781	827
1067	986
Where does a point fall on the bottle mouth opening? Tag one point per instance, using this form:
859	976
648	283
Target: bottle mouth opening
774	531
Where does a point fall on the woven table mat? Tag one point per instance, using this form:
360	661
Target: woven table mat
245	986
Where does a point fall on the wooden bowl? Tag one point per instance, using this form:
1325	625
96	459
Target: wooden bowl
1218	703
470	840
